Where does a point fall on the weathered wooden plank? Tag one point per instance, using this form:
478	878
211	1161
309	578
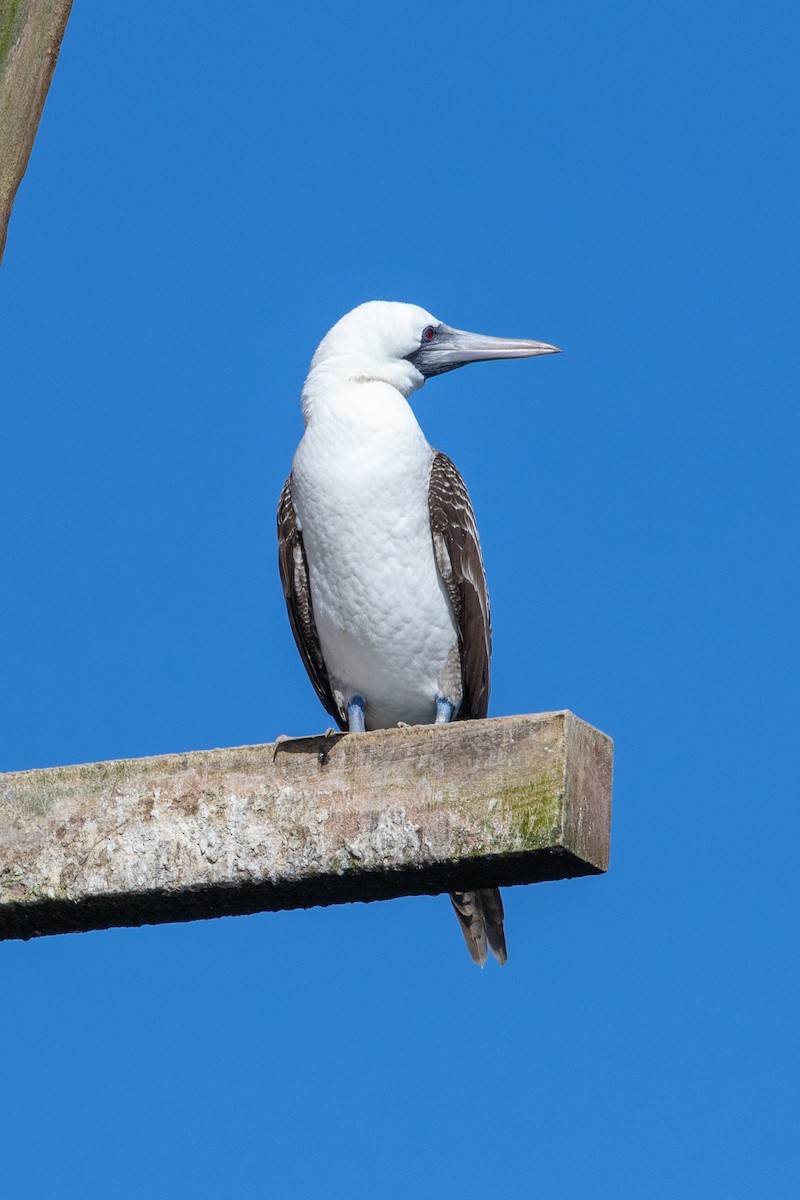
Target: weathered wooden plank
311	821
30	38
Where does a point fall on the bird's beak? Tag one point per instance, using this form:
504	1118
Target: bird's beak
451	348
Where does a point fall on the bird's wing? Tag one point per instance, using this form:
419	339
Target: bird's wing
297	593
458	557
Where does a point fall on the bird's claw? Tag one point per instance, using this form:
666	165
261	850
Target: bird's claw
283	738
279	740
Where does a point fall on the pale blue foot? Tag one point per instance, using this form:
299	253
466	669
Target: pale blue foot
355	715
445	711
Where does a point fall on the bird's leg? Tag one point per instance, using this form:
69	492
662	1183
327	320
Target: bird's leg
355	715
444	711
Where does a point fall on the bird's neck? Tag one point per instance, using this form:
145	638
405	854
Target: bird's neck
365	402
348	380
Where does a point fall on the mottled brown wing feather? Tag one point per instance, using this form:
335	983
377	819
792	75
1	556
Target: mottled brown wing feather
458	557
293	567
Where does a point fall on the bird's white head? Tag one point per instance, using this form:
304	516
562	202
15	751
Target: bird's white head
403	345
373	342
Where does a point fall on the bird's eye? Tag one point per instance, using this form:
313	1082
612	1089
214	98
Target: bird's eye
428	333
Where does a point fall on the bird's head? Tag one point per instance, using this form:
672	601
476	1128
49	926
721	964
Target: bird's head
403	345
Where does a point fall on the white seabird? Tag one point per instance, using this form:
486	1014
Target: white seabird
378	549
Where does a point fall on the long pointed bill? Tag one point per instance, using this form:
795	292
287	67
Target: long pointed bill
450	348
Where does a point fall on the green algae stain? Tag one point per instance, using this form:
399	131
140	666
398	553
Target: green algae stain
36	792
534	812
517	817
8	28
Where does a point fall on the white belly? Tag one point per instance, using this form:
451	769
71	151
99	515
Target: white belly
383	616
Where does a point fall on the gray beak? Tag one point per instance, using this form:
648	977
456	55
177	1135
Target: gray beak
450	348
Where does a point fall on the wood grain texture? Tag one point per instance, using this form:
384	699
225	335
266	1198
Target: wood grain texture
321	820
30	38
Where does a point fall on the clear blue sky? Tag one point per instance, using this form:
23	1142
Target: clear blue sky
211	188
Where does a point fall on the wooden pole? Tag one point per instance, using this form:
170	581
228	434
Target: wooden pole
321	820
30	38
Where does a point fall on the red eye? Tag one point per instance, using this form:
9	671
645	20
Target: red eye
428	333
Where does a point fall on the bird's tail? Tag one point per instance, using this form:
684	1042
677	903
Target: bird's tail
480	915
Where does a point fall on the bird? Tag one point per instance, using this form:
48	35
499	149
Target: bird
378	548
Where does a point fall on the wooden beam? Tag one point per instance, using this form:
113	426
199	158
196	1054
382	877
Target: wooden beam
320	820
30	38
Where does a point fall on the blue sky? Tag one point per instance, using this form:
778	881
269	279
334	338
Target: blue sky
208	193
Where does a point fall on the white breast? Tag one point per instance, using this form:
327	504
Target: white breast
360	490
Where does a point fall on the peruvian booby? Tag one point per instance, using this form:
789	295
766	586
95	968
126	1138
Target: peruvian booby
378	548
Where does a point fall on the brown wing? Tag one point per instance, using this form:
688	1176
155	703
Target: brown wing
458	557
293	567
